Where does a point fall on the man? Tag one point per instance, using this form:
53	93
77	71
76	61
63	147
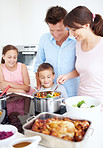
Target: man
58	49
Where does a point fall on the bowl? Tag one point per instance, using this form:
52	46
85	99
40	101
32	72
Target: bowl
28	142
83	113
7	128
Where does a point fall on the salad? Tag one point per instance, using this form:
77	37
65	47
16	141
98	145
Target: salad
82	104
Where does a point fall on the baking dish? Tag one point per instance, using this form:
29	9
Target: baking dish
51	141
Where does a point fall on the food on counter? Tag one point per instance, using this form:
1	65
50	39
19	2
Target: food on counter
82	104
21	144
4	135
64	128
14	120
48	94
0	113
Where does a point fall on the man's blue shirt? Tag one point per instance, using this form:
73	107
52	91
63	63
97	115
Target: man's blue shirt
61	58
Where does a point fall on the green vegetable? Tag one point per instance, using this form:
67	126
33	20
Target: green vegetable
49	96
75	105
80	103
92	106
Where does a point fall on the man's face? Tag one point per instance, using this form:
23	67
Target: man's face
58	30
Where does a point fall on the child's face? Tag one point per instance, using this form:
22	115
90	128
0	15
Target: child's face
10	58
46	78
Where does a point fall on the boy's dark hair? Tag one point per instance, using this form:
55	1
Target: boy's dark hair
55	15
45	66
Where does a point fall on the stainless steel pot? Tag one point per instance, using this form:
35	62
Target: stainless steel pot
47	104
2	115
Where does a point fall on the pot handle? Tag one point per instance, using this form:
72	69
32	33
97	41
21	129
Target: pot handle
30	118
59	99
37	139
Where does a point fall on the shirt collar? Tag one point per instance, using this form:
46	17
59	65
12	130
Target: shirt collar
52	38
69	38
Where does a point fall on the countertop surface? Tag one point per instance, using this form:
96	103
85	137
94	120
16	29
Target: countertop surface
96	138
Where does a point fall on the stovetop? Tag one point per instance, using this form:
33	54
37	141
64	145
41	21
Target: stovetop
61	111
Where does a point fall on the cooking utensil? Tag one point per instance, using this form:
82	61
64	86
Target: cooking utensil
34	88
6	89
54	142
56	86
47	104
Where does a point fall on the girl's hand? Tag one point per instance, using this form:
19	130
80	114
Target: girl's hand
3	85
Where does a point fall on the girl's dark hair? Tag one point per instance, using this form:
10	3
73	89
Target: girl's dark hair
81	15
55	15
45	66
7	48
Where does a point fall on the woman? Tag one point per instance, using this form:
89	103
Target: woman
14	74
87	28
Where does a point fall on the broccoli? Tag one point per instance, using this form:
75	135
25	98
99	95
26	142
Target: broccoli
75	105
80	103
49	96
92	106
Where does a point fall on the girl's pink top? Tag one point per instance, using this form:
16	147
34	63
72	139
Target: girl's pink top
13	76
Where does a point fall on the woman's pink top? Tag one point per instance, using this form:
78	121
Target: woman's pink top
90	68
13	76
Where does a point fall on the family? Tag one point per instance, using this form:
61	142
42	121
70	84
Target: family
70	55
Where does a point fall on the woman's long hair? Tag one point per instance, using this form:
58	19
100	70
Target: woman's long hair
80	16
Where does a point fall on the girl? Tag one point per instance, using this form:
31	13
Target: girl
14	74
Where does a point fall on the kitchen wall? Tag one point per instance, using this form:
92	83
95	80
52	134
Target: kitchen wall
34	11
9	22
22	21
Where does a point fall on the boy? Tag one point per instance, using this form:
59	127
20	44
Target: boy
46	76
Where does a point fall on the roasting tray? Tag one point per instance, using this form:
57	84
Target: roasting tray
51	141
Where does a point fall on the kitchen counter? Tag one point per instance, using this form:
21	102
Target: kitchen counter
96	138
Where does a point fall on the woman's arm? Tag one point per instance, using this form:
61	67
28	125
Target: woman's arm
62	78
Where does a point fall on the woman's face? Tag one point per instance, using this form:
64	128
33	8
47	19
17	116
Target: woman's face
79	34
10	58
46	78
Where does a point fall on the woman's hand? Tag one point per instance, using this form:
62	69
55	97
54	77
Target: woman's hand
62	78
